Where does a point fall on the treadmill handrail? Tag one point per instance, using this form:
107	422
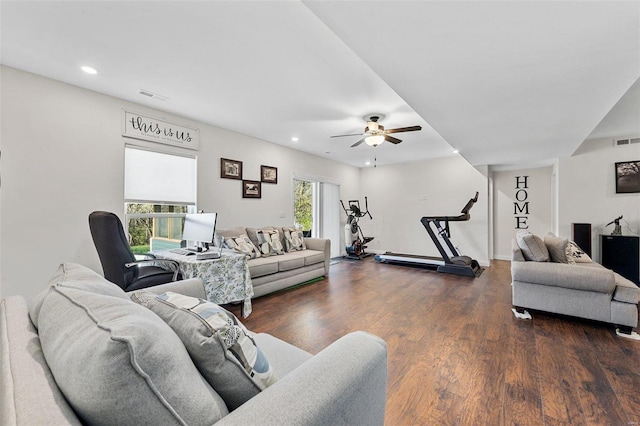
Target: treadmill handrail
460	218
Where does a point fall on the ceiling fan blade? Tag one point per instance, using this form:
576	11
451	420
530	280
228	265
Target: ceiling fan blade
358	143
404	129
352	134
391	139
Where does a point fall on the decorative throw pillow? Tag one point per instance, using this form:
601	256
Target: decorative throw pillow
118	363
83	277
557	248
532	247
220	346
575	254
242	244
269	242
293	239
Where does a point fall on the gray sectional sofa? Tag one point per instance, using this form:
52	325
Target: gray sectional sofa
553	275
84	353
277	271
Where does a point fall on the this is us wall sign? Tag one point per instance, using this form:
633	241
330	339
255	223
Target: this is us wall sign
138	126
521	204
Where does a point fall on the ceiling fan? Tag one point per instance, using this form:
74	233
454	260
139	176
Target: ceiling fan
374	134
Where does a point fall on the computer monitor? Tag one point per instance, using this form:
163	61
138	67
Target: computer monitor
199	228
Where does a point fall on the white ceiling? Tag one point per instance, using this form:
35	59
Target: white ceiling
503	82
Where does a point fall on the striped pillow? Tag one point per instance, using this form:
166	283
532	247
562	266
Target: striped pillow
220	346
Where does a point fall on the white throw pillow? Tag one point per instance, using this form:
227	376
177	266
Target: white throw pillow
575	254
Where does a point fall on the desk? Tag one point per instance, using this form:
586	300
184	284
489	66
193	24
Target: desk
225	279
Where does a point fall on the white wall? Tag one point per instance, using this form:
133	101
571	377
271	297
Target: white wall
587	190
63	154
539	192
62	158
400	195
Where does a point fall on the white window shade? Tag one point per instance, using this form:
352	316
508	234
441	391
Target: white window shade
157	177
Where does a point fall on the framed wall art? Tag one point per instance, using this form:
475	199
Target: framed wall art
251	189
627	177
268	174
230	169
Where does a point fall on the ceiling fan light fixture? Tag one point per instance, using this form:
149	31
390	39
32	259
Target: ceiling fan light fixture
374	140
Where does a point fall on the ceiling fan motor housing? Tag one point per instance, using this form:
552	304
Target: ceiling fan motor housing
374	128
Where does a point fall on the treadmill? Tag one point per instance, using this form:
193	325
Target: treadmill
451	261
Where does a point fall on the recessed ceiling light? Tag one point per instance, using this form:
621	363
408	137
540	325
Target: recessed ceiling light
295	139
455	151
89	70
368	163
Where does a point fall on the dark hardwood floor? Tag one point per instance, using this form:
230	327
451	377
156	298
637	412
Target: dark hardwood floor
456	353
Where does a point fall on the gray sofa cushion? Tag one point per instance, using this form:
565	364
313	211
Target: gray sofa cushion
28	392
85	278
626	291
590	279
532	246
262	266
557	248
218	343
230	232
290	261
311	257
116	362
283	357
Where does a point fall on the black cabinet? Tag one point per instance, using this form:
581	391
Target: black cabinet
621	253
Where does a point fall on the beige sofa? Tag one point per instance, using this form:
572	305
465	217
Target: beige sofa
546	278
279	271
84	353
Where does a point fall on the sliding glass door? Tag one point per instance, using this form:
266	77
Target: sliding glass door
317	210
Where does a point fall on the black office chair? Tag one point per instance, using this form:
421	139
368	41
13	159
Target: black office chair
118	262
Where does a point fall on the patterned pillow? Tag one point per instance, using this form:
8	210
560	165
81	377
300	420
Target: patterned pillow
219	345
269	242
575	254
242	244
293	239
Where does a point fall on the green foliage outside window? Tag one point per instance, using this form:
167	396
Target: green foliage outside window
141	230
302	204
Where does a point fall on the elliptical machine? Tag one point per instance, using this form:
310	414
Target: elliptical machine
354	239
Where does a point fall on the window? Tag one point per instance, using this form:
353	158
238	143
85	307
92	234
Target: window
303	203
159	189
316	209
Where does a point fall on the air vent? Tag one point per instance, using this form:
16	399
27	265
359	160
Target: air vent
626	141
150	94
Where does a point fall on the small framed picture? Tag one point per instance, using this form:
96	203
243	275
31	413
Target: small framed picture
268	174
627	177
251	189
230	169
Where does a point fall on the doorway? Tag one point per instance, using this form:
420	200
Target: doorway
316	207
